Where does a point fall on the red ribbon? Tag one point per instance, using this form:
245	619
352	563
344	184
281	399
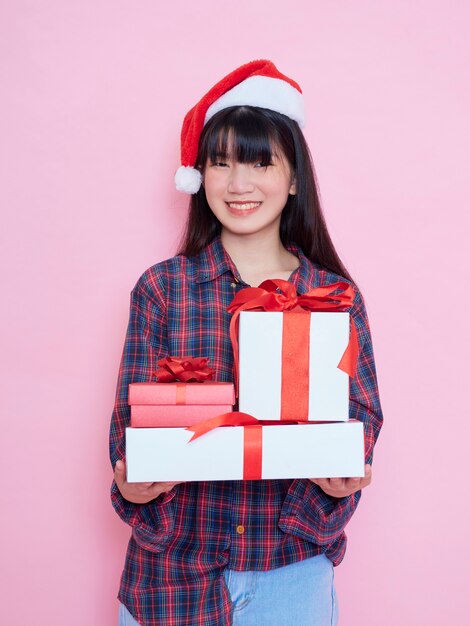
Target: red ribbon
186	369
252	452
234	418
252	438
280	296
295	366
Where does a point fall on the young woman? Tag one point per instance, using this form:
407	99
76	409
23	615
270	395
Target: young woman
236	552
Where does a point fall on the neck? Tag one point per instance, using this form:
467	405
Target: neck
258	254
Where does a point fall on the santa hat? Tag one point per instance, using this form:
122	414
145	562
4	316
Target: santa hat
258	84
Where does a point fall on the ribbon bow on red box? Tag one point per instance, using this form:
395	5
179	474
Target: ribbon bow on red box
185	369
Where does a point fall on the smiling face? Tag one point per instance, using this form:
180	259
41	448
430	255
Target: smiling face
247	180
248	198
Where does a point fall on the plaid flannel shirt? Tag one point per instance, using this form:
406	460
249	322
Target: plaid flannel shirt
182	540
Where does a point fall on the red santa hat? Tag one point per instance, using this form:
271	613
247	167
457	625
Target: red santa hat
259	84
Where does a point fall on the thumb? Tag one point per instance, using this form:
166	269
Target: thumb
120	471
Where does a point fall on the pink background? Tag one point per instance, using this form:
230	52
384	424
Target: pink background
93	95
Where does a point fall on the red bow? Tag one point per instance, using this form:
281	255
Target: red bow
280	295
186	369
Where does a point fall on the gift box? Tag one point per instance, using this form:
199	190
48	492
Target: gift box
183	395
178	393
165	415
249	452
288	365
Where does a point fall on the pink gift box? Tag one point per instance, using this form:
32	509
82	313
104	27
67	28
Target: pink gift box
158	415
181	394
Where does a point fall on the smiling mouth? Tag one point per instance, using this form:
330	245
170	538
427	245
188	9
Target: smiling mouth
243	206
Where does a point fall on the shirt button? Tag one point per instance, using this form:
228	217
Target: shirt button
233	285
240	529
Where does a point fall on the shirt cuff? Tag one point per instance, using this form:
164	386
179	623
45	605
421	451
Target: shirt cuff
152	523
311	514
166	496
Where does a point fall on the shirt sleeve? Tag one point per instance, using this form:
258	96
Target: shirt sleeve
308	512
145	343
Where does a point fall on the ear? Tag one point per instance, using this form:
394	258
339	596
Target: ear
293	188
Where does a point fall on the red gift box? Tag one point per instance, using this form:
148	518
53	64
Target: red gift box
183	396
179	394
167	415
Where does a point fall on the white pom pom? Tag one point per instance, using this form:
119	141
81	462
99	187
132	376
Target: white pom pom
188	179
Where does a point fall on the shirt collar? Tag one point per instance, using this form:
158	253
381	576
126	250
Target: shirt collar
214	261
306	276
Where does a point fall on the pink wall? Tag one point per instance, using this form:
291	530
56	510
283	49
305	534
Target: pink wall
93	95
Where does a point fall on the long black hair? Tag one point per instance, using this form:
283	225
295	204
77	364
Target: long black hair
254	134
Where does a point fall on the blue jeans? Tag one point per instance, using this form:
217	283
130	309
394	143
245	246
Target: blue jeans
301	594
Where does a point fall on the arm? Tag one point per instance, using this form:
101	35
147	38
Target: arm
308	512
146	342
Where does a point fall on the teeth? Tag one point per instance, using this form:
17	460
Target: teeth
243	207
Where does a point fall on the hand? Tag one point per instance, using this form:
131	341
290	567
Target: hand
139	493
341	487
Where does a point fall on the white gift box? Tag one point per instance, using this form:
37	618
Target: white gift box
260	365
288	451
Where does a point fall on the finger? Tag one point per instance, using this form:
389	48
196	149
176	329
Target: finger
337	483
120	472
157	488
173	484
366	480
353	484
321	482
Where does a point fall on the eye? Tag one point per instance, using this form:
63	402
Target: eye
264	164
219	163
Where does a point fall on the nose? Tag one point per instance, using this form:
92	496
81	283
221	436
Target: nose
240	180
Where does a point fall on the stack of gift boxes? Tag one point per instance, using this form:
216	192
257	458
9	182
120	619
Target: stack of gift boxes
293	416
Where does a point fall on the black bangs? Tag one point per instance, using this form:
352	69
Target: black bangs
241	133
